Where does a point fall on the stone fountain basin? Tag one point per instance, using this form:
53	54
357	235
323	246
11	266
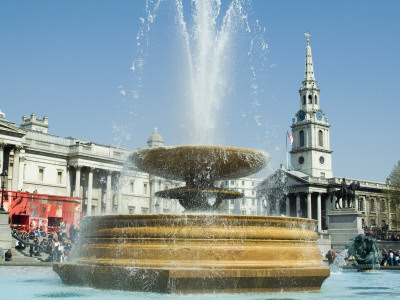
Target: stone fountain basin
196	253
199	165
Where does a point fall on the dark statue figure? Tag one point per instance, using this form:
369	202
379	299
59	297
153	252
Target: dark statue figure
365	252
346	193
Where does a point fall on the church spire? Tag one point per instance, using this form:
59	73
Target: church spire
309	77
309	91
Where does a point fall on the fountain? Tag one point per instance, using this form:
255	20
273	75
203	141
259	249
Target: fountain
199	251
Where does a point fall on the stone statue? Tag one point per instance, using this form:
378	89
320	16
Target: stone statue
365	252
346	194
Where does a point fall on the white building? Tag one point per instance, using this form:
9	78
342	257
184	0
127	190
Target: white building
37	161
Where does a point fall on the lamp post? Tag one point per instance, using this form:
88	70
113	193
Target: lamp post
4	177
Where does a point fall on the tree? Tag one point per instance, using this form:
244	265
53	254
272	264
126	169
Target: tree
394	189
394	183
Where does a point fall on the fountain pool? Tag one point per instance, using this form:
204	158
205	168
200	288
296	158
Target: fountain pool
17	282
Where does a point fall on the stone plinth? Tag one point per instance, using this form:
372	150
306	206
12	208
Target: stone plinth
344	225
197	253
5	233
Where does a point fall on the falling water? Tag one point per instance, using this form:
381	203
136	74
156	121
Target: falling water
211	34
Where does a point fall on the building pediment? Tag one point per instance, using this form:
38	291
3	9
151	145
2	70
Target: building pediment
10	129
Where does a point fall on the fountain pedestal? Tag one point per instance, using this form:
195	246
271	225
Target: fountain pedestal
197	253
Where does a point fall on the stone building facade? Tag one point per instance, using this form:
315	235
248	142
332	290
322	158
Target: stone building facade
99	175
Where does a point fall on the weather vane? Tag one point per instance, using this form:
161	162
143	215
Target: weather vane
308	36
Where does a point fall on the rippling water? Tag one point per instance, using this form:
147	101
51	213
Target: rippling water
43	283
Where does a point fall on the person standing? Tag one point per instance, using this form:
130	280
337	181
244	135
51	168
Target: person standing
8	255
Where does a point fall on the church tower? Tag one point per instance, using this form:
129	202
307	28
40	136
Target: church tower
311	152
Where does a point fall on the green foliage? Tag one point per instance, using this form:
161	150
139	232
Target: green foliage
394	182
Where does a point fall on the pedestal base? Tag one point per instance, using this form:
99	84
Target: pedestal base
193	280
196	254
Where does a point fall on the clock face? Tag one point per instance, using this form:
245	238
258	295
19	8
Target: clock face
319	115
302	115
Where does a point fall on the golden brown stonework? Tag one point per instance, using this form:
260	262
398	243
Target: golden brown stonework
197	253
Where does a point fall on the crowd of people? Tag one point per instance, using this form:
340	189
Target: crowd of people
57	245
390	258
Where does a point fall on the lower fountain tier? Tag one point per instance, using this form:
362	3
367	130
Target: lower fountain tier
196	253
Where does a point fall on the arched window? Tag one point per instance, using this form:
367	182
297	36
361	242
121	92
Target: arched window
301	138
320	138
309	99
316	99
372	208
304	100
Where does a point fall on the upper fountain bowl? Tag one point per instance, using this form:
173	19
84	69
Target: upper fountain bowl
199	165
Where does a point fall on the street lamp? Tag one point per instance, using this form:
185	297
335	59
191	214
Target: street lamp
4	178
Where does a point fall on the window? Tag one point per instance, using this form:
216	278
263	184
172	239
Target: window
132	186
301	135
243	212
242	182
321	160
59	177
320	138
301	160
304	100
373	222
316	99
252	193
253	202
167	187
232	182
144	188
131	209
383	206
145	210
232	201
41	174
322	175
309	99
372	206
252	184
243	201
361	204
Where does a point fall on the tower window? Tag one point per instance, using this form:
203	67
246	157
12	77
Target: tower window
301	138
320	138
309	99
301	160
304	100
316	99
321	160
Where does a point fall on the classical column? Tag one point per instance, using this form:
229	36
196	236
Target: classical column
22	160
309	216
298	209
287	206
152	196
77	181
68	182
90	192
108	193
319	212
1	157
15	175
119	194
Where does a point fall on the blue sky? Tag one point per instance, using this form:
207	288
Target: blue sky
71	60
